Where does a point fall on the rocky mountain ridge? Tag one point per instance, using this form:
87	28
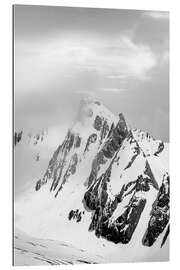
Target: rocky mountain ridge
110	180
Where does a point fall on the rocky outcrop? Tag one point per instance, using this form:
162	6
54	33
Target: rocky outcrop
104	131
159	216
77	142
136	149
17	137
165	236
114	142
122	229
92	139
56	165
52	166
70	171
98	123
38	185
76	215
37	137
97	200
160	149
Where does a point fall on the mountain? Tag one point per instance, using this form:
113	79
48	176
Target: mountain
105	189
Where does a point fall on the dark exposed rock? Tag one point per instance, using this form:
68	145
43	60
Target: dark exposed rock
165	236
17	137
142	183
49	172
159	216
66	147
121	230
111	129
150	176
55	167
97	200
96	164
70	170
38	185
104	131
91	197
118	135
92	139
77	141
136	149
110	147
76	215
93	201
36	138
160	149
97	123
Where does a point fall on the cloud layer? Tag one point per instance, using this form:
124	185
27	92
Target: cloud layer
41	63
120	56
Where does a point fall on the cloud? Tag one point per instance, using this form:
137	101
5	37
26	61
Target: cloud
157	15
120	57
112	90
83	92
56	60
117	76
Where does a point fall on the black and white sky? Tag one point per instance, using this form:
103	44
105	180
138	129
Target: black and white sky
119	56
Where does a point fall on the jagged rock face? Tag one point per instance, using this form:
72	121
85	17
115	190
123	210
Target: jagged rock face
165	236
122	228
149	145
92	139
126	176
76	215
75	147
98	123
114	142
97	197
160	148
159	217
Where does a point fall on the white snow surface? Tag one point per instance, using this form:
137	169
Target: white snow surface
51	238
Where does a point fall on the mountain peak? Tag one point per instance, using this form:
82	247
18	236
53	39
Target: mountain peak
89	99
89	110
109	179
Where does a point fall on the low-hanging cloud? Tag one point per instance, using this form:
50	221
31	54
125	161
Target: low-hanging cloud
59	58
113	90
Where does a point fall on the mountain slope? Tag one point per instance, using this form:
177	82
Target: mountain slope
106	188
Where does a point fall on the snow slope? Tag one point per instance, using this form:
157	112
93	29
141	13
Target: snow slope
105	190
34	251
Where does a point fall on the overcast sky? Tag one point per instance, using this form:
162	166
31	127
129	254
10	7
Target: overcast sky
62	54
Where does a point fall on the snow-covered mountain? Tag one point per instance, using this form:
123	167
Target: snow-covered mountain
105	190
